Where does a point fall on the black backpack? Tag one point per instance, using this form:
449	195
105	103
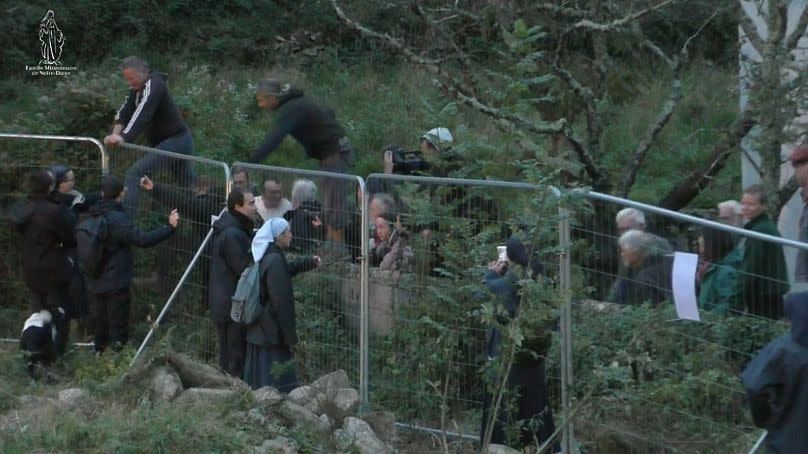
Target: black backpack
90	236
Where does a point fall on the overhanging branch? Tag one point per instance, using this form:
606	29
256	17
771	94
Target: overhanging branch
618	23
453	86
697	180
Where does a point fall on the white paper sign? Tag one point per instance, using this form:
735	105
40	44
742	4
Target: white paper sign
683	278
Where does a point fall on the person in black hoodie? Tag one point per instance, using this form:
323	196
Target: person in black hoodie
47	233
150	109
776	382
316	128
110	308
229	256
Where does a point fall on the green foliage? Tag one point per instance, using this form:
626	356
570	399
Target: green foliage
664	377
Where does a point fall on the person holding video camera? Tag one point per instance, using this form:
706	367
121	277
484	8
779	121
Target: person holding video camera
432	157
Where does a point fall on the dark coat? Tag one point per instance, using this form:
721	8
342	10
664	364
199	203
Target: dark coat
150	110
305	237
47	231
122	234
312	125
776	381
194	207
763	278
506	292
277	326
229	255
650	283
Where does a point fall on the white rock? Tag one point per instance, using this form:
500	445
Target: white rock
256	416
383	423
501	449
328	384
205	396
280	445
361	436
301	416
165	385
267	395
346	401
69	398
327	420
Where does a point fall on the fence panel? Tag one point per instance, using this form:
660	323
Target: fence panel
197	188
428	337
22	154
647	381
329	299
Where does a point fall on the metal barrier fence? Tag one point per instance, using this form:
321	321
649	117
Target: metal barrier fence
427	335
411	331
197	188
21	154
331	303
646	380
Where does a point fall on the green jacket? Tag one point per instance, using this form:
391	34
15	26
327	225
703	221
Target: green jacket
763	274
720	291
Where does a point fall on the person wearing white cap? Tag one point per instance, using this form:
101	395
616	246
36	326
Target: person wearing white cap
269	341
435	142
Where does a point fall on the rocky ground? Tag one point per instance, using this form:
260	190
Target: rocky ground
171	403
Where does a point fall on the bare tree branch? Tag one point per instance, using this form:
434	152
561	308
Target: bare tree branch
785	193
599	181
650	135
560	10
440	31
392	42
454	87
617	23
799	31
750	32
678	197
665	113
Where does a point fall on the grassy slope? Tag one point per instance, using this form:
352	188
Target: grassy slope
395	105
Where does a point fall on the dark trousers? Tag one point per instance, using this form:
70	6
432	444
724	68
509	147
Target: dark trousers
151	163
768	306
334	190
110	312
232	347
531	410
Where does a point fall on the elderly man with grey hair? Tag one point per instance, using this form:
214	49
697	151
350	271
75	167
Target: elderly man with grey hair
316	129
305	217
648	270
729	212
629	219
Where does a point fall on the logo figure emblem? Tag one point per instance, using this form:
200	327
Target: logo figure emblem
51	40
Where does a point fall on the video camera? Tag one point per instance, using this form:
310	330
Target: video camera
407	162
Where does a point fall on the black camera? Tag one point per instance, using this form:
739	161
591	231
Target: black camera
407	162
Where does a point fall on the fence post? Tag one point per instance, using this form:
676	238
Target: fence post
567	382
174	294
364	324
